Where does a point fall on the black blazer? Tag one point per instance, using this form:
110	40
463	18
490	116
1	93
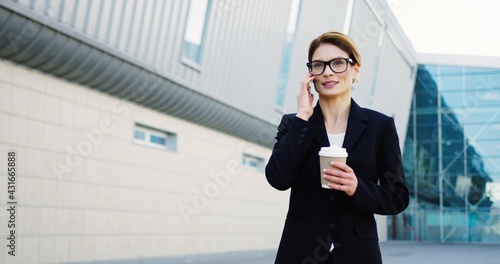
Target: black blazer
316	216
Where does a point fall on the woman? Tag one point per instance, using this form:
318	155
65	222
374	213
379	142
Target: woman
335	225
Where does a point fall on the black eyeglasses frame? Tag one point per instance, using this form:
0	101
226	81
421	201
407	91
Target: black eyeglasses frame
309	65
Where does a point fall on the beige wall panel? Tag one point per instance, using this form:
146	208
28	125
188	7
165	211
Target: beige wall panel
110	198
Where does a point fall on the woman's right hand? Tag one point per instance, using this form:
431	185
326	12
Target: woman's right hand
305	98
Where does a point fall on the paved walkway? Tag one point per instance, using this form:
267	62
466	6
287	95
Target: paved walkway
430	253
392	253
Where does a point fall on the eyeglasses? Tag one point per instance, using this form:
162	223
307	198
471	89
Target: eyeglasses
337	65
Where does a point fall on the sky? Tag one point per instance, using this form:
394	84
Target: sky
460	27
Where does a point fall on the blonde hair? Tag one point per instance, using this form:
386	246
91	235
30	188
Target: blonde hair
341	40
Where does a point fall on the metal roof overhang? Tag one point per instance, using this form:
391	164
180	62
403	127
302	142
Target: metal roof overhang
26	41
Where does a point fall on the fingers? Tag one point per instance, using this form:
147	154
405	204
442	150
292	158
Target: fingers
305	98
341	171
341	166
343	185
341	179
305	85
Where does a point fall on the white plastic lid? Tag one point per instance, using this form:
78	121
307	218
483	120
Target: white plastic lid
333	151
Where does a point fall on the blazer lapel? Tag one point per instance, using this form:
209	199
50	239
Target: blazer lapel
355	125
318	119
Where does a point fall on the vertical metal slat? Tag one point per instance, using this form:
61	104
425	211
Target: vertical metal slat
158	36
141	27
120	25
127	46
110	22
99	16
87	15
148	36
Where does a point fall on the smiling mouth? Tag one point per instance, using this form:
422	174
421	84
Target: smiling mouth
329	84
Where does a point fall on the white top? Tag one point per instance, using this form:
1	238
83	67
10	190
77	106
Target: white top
336	139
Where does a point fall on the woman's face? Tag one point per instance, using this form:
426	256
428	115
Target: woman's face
329	83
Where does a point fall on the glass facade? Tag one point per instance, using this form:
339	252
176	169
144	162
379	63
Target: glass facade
452	157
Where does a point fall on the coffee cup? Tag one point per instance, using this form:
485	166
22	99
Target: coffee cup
326	156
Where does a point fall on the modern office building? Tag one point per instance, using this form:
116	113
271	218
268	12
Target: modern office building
451	152
141	128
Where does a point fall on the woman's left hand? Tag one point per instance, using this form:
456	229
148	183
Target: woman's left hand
341	179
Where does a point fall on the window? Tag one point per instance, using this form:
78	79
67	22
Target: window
155	138
293	20
252	162
195	31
